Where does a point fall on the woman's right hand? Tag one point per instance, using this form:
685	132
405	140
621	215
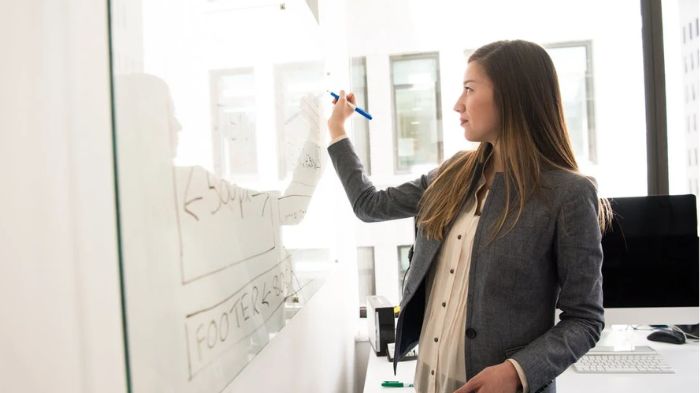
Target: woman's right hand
341	112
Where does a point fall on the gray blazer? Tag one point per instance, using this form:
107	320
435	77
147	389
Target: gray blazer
551	258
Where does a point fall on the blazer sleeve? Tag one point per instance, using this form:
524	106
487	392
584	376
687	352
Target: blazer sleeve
368	203
579	259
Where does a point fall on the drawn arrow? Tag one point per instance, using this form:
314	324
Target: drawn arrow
265	302
188	202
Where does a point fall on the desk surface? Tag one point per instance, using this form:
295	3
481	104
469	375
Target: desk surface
683	358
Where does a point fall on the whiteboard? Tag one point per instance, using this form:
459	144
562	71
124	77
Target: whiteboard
220	177
208	280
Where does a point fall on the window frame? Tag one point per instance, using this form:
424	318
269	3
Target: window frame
655	98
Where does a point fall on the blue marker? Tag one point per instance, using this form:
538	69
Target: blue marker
357	109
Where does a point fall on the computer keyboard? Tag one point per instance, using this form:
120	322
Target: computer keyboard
606	360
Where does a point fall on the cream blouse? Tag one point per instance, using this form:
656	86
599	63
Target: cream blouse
441	365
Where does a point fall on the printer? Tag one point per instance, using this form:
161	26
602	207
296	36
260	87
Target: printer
380	323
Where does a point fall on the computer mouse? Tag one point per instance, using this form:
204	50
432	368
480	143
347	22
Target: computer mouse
667	336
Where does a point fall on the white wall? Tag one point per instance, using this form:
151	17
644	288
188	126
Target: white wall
61	324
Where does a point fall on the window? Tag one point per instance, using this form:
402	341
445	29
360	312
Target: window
360	125
365	270
573	64
417	114
403	266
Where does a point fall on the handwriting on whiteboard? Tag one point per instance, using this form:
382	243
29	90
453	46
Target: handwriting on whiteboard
230	325
221	225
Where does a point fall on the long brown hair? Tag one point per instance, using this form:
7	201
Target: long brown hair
533	137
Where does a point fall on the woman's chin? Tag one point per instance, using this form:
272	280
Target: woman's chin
471	137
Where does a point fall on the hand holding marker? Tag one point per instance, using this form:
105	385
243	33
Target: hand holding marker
351	105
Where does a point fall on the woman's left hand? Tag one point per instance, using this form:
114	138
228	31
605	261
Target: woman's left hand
501	378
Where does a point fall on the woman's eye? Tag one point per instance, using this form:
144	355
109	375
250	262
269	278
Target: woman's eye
467	88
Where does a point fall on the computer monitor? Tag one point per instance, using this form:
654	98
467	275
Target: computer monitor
650	261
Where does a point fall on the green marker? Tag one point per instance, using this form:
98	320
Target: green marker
396	384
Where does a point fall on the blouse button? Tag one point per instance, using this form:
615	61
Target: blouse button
444	304
452	271
432	372
435	339
459	236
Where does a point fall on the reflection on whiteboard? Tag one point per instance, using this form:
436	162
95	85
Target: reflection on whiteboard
293	83
296	198
234	115
207	280
238	134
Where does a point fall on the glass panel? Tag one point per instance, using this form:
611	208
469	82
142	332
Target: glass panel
682	61
418	127
218	158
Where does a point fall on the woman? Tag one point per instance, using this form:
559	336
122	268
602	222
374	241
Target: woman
506	233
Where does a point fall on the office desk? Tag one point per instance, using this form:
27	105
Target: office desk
683	358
